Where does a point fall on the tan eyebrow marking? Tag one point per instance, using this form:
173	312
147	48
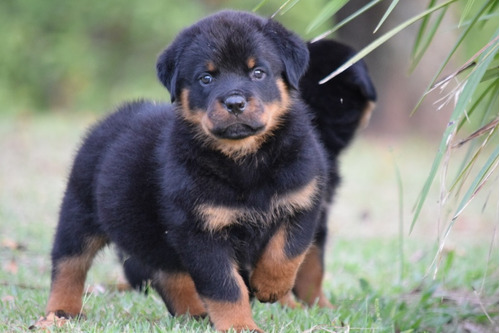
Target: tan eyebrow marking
251	62
211	66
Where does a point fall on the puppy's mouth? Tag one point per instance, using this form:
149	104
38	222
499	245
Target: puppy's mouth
237	131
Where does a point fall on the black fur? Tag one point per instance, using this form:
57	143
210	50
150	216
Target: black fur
337	107
337	104
143	172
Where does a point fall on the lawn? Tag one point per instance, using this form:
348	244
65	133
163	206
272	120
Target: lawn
380	277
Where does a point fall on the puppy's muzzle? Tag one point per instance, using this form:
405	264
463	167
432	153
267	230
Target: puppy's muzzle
237	131
241	120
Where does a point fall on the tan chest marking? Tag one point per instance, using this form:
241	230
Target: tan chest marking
218	217
301	199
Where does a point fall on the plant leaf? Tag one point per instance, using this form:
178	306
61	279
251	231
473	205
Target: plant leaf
386	14
260	4
382	39
478	182
347	20
453	50
328	11
417	55
423	27
484	129
286	7
465	12
492	88
465	169
491	73
469	89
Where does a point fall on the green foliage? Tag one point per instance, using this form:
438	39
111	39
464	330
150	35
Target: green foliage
474	120
59	54
92	55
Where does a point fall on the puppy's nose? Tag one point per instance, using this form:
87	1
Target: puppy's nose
235	104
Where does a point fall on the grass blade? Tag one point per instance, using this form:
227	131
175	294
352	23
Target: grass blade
463	100
452	52
478	182
468	64
258	6
347	20
484	129
399	180
382	39
286	6
493	89
465	170
465	12
417	55
386	14
490	74
330	9
289	6
423	27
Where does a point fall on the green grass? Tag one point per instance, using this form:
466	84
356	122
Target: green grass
379	281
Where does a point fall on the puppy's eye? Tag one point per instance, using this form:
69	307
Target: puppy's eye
206	79
258	74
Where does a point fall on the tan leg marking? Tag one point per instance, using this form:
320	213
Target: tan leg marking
274	274
238	315
69	280
309	278
179	290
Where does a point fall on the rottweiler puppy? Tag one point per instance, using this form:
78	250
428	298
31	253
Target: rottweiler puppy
219	193
216	198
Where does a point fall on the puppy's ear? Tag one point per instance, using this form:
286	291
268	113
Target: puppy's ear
293	51
167	67
361	78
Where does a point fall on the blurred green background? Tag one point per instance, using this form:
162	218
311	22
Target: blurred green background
68	56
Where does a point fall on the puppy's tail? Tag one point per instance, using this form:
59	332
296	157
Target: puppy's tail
341	105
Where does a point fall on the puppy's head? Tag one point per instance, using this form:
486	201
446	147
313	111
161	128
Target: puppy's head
231	75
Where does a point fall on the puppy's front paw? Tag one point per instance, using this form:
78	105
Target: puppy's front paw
52	319
269	287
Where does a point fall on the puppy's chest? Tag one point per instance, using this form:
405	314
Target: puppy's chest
215	217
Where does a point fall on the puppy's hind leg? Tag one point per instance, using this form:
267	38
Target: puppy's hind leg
308	284
309	279
179	294
76	243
